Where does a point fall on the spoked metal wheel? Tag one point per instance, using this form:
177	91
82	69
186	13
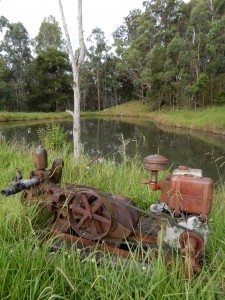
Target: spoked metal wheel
90	214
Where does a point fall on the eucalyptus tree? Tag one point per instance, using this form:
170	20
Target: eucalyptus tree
5	93
141	44
163	63
216	61
49	78
49	36
195	43
88	88
173	67
76	60
132	41
97	55
168	15
155	75
50	81
4	23
118	89
114	87
219	8
15	50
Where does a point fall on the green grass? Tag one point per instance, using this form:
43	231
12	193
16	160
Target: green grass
22	116
131	108
210	119
29	269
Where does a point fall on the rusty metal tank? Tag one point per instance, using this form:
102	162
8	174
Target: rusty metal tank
190	194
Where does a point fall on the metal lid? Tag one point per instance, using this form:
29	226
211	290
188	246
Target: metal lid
155	162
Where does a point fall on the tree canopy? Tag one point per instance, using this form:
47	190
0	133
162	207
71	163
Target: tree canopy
169	53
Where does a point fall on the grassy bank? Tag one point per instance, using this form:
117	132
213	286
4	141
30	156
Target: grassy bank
29	269
210	119
20	116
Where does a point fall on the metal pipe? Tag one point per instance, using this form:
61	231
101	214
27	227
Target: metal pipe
19	186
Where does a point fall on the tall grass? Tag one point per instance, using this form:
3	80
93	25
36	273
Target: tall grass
30	270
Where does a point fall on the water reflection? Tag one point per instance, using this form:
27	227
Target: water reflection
110	138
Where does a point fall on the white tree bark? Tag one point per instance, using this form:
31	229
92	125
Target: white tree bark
76	60
211	8
193	37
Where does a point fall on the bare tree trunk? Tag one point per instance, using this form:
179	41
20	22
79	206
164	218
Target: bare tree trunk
76	60
98	90
193	37
211	88
211	8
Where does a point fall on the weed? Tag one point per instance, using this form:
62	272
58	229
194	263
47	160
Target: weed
53	136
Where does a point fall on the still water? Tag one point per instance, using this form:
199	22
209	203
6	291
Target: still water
114	137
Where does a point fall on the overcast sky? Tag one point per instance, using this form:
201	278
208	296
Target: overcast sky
106	14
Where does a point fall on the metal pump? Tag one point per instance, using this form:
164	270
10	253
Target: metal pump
86	215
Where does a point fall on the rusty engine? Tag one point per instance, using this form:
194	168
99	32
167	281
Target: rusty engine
86	215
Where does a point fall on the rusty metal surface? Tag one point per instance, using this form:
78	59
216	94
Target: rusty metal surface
40	158
191	247
86	215
90	215
192	194
155	162
125	217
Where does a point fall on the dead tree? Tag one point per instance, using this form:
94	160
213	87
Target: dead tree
76	60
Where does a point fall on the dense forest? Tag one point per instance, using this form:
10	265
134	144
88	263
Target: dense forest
169	53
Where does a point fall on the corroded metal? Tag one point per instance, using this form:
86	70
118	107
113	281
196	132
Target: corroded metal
40	158
155	162
85	214
90	214
192	246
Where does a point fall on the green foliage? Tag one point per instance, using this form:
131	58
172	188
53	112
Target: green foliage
49	36
43	83
160	54
53	137
97	72
5	94
16	54
50	82
180	30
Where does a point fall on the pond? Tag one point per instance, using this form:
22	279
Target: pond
112	138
